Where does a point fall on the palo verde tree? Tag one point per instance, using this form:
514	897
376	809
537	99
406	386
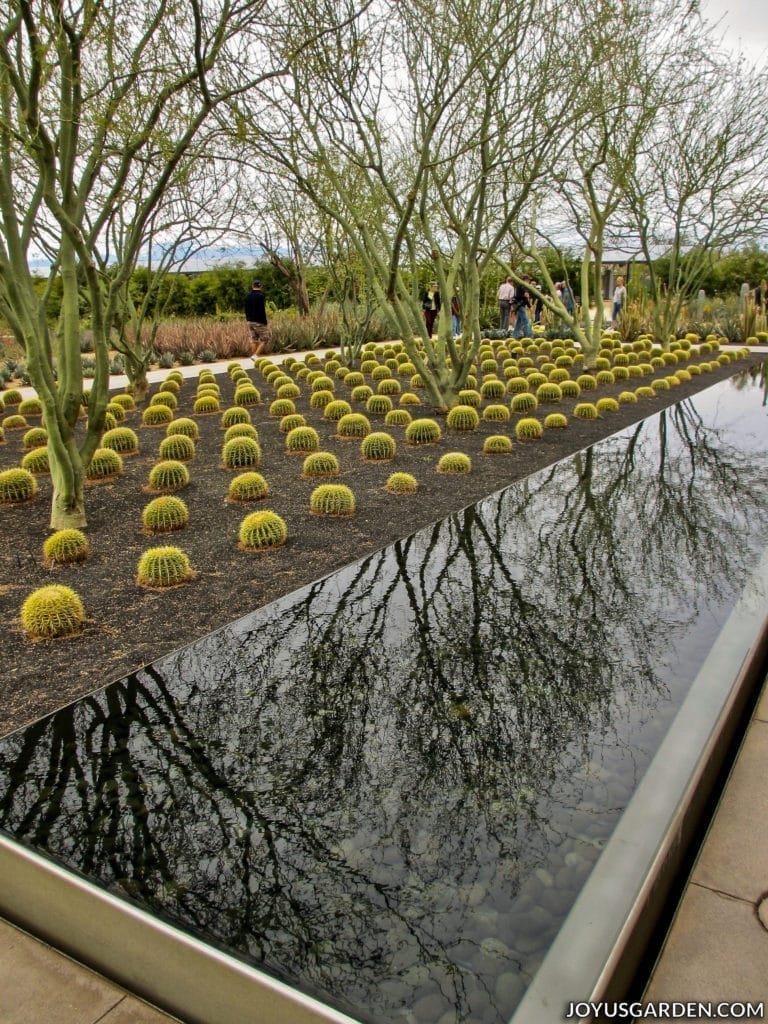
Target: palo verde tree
89	92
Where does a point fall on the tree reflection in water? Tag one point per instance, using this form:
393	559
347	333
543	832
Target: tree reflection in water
389	788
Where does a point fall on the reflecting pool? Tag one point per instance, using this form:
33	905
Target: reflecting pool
388	788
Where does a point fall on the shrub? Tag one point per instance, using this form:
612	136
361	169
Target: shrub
607	405
163	567
401	483
497	444
52	611
105	464
301	440
37	437
36	461
177	446
162	515
16	486
332	500
454	462
585	411
462	417
423	431
555	421
168	475
184	426
247	487
320	464
235	414
528	429
241	452
378	447
336	409
353	425
122	440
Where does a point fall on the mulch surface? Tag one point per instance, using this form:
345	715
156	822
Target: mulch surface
129	626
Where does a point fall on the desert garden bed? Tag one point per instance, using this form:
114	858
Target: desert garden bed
128	625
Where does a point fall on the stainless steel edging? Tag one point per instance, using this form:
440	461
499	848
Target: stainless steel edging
603	939
169	968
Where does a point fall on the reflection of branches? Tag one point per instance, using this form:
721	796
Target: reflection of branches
348	785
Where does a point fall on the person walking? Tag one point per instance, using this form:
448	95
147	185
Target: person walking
256	318
505	295
455	315
430	303
521	303
619	300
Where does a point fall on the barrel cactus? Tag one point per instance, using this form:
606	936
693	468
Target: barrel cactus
241	453
36	461
31	407
524	402
52	611
156	416
207	405
361	393
455	463
660	384
16	486
604	405
585	411
235	414
401	483
528	429
291	421
282	407
397	418
105	464
336	409
408	398
37	437
241	430
424	431
12	397
462	417
168	475
378	447
497	444
549	392
289	390
247	487
166	398
586	381
555	421
492	389
14	422
184	426
468	396
261	531
496	413
65	547
163	515
332	500
163	567
319	465
177	446
353	425
389	386
301	440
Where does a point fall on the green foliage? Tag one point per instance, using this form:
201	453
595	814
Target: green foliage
497	444
177	446
261	531
320	464
528	429
332	500
52	611
401	483
378	447
163	515
36	461
66	547
423	431
454	462
301	440
163	567
353	425
168	475
105	464
122	440
247	487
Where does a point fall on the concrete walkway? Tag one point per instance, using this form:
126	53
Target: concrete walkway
717	947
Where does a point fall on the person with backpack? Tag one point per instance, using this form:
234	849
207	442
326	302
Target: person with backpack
520	306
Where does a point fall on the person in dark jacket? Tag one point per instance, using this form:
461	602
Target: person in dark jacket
256	318
430	303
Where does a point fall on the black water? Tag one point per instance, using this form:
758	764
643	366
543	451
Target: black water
388	788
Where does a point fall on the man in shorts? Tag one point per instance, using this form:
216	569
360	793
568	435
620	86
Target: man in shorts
256	318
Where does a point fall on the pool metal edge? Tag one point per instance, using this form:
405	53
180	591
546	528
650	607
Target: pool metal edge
160	963
605	937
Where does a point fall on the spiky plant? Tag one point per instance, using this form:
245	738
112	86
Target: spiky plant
126	401
36	461
408	398
332	500
354	379
301	440
65	547
241	453
206	405
570	389
492	390
353	425
166	398
11	397
549	392
319	465
423	431
168	475
462	417
122	440
397	418
416	382
497	444
524	402
585	411
116	411
14	422
586	382
208	389
247	487
627	397
163	567
517	386
241	430
247	394
454	463
401	483
496	413
156	416
389	386
468	396
36	437
319	399
163	515
282	407
336	409
177	446
660	384
52	611
262	531
105	464
378	405
291	421
555	421
378	447
31	407
361	393
288	390
171	385
235	414
16	486
528	429
605	405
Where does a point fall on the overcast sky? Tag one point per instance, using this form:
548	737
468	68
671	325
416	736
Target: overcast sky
742	24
